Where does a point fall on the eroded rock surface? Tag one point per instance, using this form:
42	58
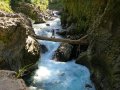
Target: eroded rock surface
17	47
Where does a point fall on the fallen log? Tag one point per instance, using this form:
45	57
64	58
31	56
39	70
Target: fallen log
82	40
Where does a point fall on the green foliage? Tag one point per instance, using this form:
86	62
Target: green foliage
56	5
83	11
31	8
42	4
21	71
5	5
80	10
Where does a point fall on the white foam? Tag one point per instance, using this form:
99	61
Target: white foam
53	75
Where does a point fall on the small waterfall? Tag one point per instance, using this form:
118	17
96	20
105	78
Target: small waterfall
52	75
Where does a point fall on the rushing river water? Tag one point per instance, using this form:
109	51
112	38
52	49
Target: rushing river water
53	75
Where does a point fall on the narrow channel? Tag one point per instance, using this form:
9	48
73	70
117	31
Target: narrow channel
54	75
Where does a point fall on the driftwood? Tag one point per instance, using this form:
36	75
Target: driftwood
82	40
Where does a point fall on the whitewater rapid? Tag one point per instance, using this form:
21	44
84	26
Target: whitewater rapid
53	75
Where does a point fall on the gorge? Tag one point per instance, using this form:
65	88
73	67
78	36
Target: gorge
73	66
54	75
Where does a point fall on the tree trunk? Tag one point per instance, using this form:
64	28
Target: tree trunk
82	40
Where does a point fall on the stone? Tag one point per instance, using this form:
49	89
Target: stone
8	81
63	52
47	24
31	11
17	48
43	48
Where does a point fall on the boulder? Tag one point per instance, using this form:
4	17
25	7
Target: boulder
43	48
8	81
17	48
70	30
31	11
63	53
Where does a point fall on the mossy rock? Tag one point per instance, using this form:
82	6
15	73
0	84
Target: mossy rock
83	59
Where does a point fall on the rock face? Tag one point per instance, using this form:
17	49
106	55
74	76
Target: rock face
104	48
17	47
8	81
103	54
63	53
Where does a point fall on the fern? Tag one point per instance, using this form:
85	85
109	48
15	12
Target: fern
22	70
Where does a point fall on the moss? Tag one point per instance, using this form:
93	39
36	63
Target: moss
55	5
83	12
83	60
31	8
42	4
5	39
100	20
5	6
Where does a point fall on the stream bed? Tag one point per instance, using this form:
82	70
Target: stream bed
53	75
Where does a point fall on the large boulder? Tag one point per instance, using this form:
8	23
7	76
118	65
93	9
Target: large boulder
63	53
17	48
8	81
31	11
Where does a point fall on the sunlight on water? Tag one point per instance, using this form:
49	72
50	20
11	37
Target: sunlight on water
52	75
42	74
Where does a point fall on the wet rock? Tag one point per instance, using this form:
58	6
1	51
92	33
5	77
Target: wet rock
88	86
83	59
63	53
43	48
17	47
47	24
8	81
70	31
63	32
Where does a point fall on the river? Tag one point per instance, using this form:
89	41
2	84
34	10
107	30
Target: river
53	75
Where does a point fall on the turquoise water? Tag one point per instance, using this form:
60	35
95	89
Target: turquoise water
52	75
